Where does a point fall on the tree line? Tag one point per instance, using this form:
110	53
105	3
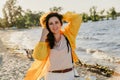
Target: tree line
15	16
96	16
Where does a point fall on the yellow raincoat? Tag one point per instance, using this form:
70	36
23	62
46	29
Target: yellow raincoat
41	52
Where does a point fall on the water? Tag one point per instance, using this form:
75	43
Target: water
101	35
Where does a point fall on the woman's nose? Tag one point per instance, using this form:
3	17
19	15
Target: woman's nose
54	25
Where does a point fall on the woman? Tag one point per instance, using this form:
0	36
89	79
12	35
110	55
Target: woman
55	52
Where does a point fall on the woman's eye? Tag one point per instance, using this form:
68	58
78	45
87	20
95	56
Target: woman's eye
50	23
56	22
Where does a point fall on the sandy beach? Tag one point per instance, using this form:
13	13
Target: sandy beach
13	66
14	61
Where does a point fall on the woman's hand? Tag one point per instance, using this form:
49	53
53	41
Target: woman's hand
44	34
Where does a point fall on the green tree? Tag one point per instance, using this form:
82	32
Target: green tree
28	18
37	17
101	14
85	17
11	12
108	15
32	18
55	9
113	13
20	22
93	14
3	23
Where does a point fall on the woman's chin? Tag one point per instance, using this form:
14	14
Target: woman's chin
55	32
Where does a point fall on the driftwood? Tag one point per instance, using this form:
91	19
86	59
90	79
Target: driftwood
29	53
99	69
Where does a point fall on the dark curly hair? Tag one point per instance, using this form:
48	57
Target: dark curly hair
50	37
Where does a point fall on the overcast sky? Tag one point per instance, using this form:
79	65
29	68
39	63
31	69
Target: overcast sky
67	5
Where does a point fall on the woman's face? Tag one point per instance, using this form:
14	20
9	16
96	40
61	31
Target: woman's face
54	25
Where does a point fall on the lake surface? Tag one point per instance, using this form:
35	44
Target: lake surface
101	35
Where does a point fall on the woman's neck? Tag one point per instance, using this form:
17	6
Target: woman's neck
57	37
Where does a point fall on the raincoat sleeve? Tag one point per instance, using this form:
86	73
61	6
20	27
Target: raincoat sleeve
41	63
40	51
71	30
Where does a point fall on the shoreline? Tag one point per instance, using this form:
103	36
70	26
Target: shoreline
14	64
